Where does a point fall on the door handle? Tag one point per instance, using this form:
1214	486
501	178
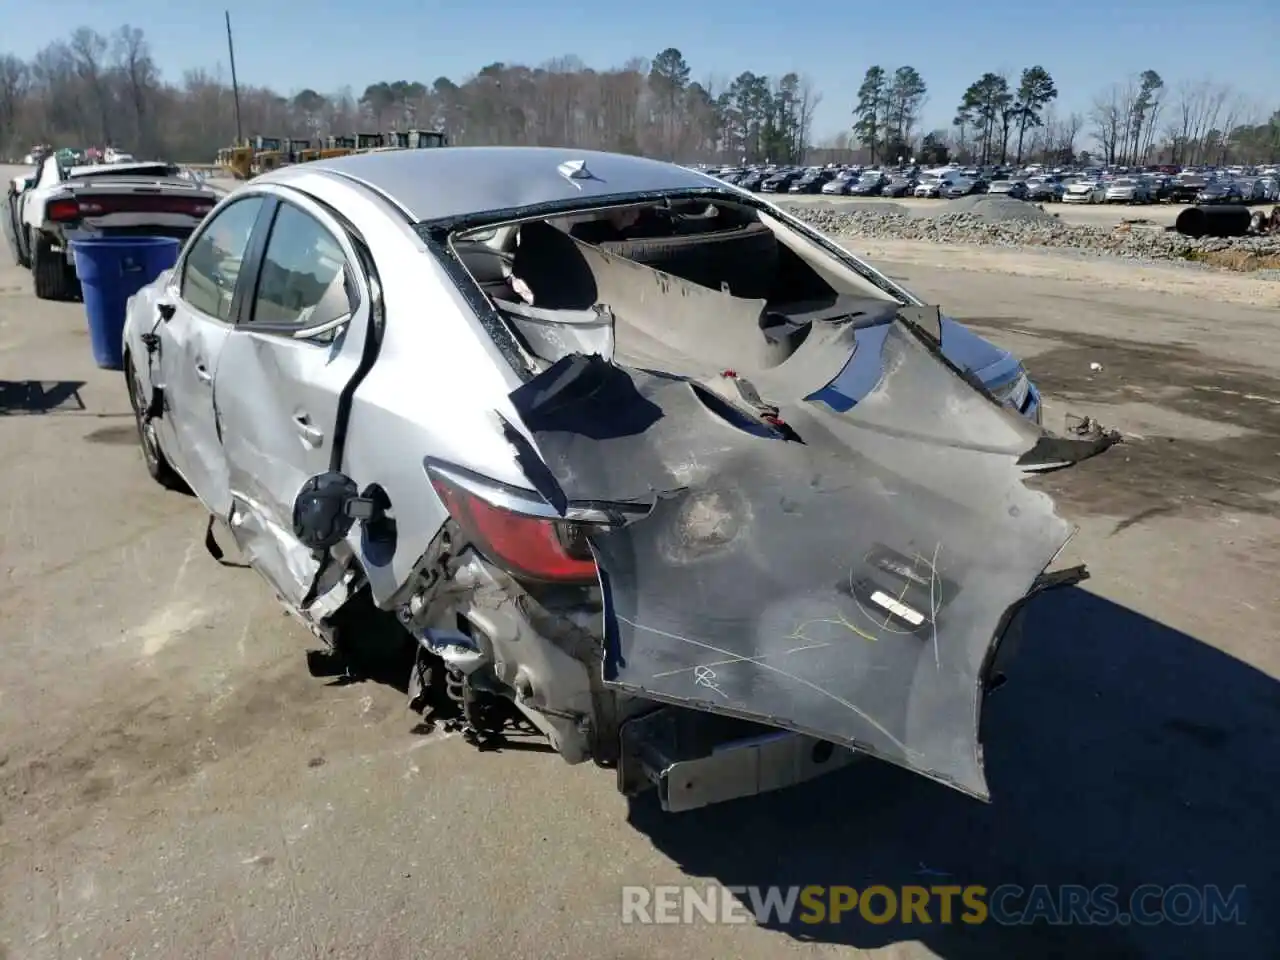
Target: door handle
202	373
310	433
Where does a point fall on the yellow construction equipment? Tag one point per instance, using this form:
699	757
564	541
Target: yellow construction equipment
261	154
268	154
417	139
299	150
426	139
337	147
236	161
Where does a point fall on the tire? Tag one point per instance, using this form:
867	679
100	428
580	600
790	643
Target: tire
157	464
52	278
745	258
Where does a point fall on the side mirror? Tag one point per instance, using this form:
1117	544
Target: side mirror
326	508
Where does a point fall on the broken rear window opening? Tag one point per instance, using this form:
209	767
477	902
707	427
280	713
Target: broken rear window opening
671	282
763	549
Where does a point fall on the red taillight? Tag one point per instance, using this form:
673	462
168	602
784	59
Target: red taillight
532	547
98	206
61	210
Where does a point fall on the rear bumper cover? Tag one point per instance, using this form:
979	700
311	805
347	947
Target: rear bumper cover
846	578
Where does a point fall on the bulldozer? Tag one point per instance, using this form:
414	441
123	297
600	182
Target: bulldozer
337	147
236	161
300	151
417	139
268	154
252	157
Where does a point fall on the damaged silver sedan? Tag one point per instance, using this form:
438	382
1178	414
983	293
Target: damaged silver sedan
634	459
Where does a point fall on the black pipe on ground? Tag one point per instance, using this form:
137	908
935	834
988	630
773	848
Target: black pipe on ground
1214	221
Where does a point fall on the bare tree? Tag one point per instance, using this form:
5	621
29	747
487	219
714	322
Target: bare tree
14	82
1108	116
138	73
88	51
1069	133
810	98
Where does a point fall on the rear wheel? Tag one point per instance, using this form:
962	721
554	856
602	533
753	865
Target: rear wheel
52	278
157	464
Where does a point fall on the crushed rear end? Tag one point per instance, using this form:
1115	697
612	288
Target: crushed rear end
811	552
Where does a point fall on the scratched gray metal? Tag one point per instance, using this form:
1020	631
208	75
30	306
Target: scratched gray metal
849	586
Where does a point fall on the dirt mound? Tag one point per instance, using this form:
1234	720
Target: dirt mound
995	208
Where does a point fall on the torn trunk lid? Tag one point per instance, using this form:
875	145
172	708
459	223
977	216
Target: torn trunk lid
841	573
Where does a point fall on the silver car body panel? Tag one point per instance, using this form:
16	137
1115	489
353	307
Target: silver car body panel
908	473
439	386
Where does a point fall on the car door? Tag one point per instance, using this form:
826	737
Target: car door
280	381
199	303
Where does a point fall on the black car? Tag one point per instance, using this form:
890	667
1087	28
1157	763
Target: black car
1220	191
962	188
899	187
781	182
1161	188
811	182
1016	189
1252	191
1043	188
868	186
1186	189
752	180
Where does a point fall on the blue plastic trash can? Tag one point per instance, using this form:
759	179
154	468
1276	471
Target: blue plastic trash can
111	270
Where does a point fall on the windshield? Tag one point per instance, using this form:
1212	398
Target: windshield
132	170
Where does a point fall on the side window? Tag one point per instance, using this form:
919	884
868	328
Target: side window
304	280
213	262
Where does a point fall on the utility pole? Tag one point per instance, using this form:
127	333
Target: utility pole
235	86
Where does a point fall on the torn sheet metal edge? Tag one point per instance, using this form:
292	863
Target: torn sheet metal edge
552	334
251	524
925	318
1008	580
455	648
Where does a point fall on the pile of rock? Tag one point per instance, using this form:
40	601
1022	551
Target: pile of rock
1003	222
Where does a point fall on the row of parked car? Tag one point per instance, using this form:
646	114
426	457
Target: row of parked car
950	183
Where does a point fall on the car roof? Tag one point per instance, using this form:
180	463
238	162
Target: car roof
447	182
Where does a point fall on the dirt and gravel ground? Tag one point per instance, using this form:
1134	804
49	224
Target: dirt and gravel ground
173	783
1099	215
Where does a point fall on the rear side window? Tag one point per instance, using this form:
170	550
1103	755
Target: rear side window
214	260
304	281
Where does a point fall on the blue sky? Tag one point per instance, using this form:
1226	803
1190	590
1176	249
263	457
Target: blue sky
326	44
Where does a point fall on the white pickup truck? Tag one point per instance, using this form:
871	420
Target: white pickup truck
53	205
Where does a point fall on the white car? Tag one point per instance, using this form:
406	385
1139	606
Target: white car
55	205
927	187
1085	191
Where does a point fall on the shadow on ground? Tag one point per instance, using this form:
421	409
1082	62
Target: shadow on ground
1120	752
1231	466
40	396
